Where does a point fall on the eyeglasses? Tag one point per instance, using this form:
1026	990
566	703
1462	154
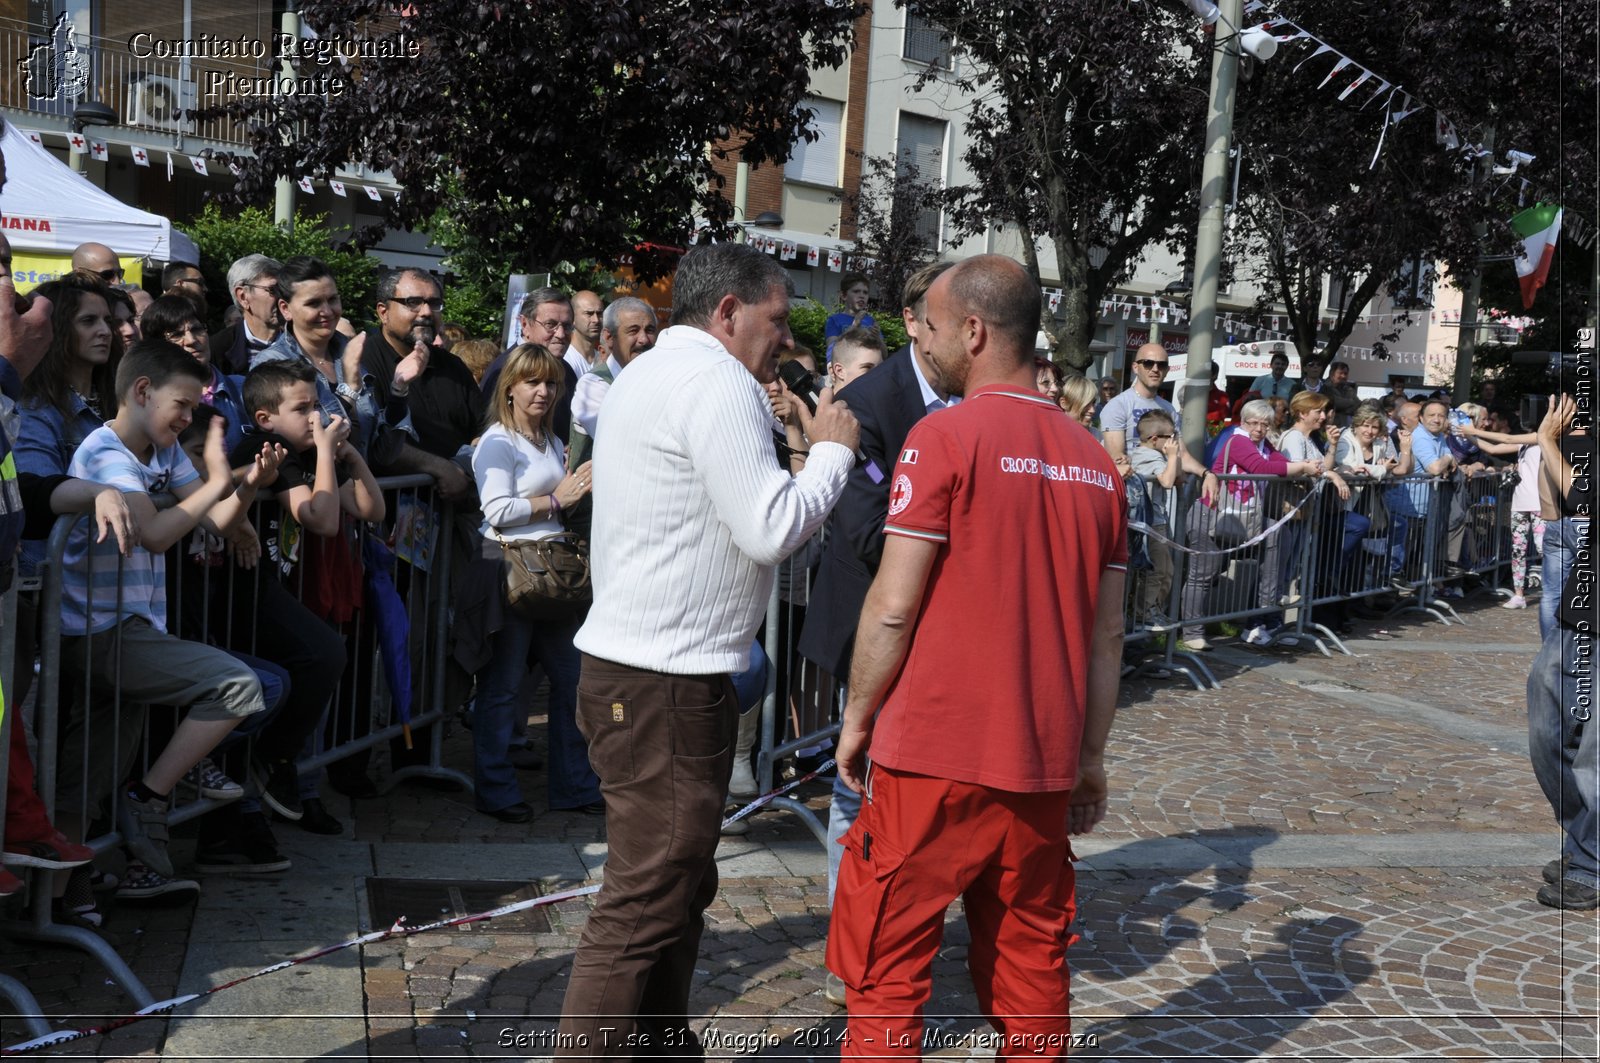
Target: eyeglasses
195	329
1256	421
109	275
1151	363
555	326
1161	435
268	288
417	302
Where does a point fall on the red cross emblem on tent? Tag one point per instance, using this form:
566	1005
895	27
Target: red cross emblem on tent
76	142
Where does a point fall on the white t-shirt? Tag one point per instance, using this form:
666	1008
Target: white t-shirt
1525	498
103	459
509	470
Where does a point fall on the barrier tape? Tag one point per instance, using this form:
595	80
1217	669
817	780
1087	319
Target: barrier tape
1261	536
163	1007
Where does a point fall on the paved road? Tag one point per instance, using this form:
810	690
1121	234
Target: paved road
1327	858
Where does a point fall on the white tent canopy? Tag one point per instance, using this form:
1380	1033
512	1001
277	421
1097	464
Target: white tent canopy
49	208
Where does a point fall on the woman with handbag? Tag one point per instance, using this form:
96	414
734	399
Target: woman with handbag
1236	517
524	486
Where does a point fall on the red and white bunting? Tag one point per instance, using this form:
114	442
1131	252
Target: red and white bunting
199	165
813	256
99	150
77	144
374	195
141	157
835	260
34	135
788	252
337	186
305	185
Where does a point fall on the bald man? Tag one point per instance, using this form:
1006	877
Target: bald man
588	321
1119	419
99	260
947	816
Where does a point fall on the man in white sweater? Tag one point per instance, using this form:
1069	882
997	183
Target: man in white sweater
691	514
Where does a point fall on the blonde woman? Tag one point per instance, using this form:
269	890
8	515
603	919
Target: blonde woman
524	486
1078	399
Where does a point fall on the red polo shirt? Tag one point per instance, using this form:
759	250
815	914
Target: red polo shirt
1030	511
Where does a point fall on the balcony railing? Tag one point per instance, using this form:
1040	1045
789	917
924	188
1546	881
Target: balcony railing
43	75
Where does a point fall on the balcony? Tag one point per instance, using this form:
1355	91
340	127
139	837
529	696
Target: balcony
41	74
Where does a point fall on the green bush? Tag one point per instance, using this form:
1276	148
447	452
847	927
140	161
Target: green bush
808	322
222	238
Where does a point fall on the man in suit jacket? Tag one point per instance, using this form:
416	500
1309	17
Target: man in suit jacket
887	401
252	281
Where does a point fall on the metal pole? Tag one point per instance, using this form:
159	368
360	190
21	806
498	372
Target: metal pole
1467	335
1214	181
283	195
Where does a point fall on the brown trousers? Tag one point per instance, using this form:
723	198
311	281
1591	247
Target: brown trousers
663	748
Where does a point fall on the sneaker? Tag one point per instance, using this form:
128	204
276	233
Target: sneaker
1516	601
1555	869
1451	592
317	818
9	883
834	990
76	905
1569	894
1400	585
252	851
1260	636
52	851
143	883
1197	643
209	780
103	881
279	783
742	783
144	831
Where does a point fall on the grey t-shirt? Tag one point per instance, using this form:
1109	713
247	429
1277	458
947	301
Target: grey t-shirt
1150	464
1122	414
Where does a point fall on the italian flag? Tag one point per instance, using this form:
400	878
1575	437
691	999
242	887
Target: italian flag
1537	228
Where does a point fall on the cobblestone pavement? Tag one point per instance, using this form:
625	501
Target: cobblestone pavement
1328	858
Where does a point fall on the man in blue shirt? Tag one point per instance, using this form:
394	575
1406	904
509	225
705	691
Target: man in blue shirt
1275	385
1431	457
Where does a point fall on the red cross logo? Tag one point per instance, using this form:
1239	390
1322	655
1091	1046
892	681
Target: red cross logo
139	155
900	495
76	142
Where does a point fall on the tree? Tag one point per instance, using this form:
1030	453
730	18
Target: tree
889	210
570	131
1312	206
1084	131
223	237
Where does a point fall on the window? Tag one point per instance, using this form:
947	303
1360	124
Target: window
817	161
924	42
1338	297
1414	285
921	158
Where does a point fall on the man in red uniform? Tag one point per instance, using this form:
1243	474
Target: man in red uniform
991	640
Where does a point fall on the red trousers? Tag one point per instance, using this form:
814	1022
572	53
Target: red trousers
920	843
25	817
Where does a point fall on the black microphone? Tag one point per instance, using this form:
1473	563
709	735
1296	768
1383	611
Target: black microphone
798	379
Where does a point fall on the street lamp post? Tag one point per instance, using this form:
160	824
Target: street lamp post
1214	187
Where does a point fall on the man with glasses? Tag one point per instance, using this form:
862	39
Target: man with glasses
252	280
1120	418
98	259
545	317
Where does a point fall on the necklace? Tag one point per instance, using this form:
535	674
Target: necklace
540	442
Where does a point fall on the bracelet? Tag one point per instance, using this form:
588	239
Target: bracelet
555	505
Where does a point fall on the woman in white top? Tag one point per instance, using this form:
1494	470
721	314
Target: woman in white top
1339	531
523	486
1527	526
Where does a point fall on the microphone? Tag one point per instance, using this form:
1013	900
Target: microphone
800	381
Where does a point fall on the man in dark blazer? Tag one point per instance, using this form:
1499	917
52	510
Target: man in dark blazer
886	401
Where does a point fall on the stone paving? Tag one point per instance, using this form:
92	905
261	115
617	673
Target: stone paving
1328	858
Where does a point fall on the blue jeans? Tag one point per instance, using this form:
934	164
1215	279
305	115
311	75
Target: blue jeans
1564	749
1402	511
1561	538
841	817
573	782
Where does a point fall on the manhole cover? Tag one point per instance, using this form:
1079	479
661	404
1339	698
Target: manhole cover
428	900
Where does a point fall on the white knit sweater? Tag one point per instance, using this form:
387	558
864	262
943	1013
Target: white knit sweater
692	511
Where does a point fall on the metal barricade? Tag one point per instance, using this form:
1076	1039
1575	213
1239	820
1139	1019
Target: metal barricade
1487	547
219	604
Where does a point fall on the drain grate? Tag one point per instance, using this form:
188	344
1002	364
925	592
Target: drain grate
428	900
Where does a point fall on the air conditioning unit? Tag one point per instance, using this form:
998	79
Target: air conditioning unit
160	103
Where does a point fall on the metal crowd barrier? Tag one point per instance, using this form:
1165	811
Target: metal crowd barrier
421	531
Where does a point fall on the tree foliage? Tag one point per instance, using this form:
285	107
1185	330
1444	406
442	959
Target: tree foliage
224	236
1314	204
569	131
890	209
1084	132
